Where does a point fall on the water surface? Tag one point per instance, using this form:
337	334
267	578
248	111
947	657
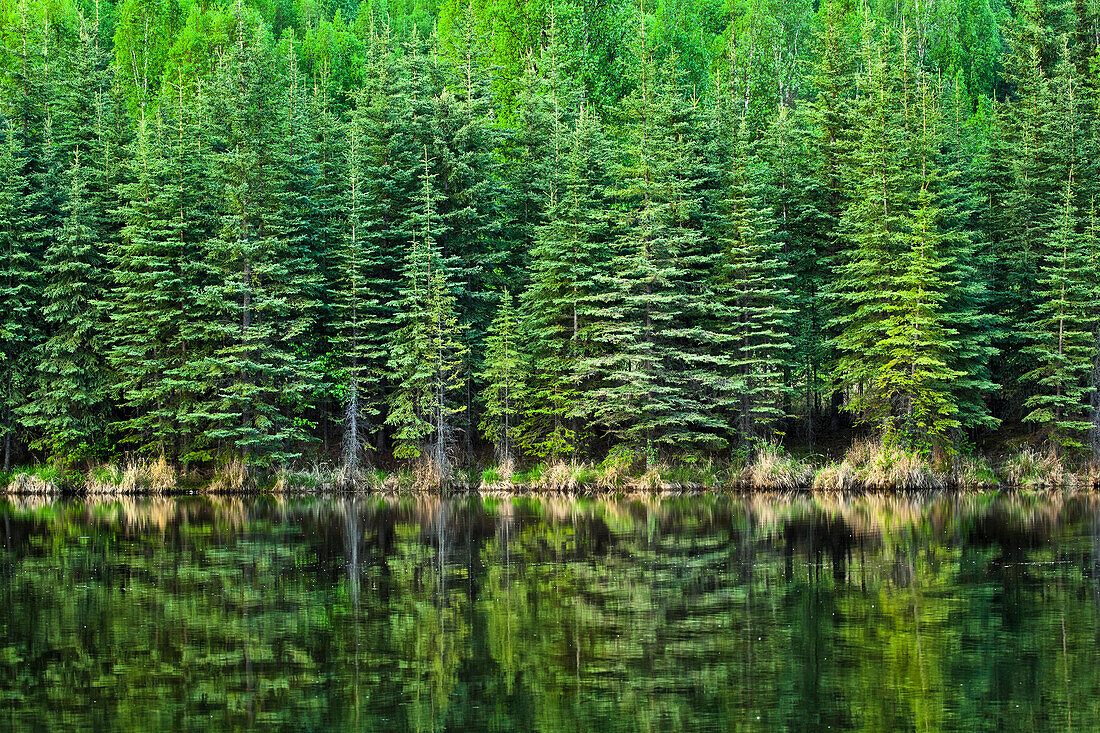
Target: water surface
877	613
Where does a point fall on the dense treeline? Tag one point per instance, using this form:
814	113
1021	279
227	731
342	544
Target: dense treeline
276	231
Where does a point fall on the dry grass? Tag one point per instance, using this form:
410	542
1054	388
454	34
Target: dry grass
1033	469
558	476
649	481
290	481
773	469
152	476
32	484
614	472
875	466
894	468
498	477
974	472
233	476
427	475
835	477
103	480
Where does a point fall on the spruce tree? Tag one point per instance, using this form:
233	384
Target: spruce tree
68	408
427	356
188	199
752	304
504	379
147	313
1028	209
790	188
645	345
261	307
20	329
362	280
31	192
559	307
1063	335
833	116
916	380
968	251
874	228
69	402
469	204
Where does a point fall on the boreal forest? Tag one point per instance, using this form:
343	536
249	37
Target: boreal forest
444	232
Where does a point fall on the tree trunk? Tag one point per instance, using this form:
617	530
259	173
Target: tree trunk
351	429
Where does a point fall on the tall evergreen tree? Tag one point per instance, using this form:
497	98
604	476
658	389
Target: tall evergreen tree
570	250
69	405
504	378
1064	344
791	189
19	280
753	299
260	308
427	356
644	342
147	314
874	227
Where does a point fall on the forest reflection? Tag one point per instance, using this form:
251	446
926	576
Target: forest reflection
757	612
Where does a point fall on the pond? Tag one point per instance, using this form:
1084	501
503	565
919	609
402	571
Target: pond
713	612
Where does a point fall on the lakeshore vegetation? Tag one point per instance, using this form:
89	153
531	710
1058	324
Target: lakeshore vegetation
245	236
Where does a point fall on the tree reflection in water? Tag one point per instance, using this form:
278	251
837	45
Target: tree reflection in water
762	612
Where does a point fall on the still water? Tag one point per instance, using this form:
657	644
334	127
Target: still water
800	612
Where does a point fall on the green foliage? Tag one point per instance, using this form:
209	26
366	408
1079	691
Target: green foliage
426	353
244	234
505	379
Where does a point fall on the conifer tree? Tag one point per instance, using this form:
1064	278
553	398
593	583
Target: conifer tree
906	322
362	284
19	278
569	252
68	406
471	244
504	380
426	352
966	250
30	189
917	380
1027	210
69	402
1063	336
147	314
261	307
643	341
752	298
187	200
831	112
874	226
790	188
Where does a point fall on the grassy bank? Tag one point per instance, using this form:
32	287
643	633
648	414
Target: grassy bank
866	466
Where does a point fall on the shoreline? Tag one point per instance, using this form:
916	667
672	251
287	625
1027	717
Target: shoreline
866	466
